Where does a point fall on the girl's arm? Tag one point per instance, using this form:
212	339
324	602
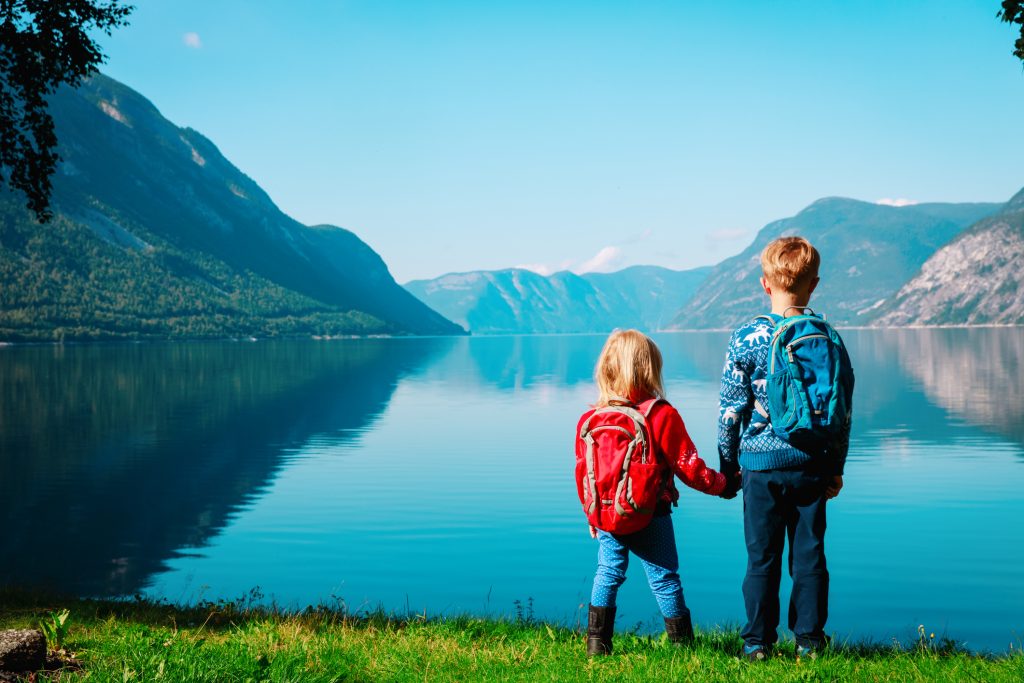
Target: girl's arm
670	436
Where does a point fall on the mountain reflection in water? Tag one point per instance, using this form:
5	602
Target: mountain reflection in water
435	474
116	458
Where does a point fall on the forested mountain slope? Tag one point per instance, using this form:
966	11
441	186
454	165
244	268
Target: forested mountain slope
155	234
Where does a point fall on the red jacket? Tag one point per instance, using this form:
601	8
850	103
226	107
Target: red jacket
675	449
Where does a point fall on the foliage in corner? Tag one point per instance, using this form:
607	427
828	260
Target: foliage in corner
1013	13
55	629
43	44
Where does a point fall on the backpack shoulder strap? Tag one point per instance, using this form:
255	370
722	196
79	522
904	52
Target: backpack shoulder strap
773	319
647	406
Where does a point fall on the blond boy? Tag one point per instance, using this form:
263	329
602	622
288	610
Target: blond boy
784	487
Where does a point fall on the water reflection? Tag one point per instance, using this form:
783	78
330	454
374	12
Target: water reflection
520	362
138	467
115	458
511	363
974	374
908	381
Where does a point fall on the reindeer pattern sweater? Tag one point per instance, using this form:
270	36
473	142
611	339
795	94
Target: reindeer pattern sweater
745	435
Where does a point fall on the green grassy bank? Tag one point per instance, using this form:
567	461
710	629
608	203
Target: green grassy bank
145	641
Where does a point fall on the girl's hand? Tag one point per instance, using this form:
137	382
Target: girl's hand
835	487
593	531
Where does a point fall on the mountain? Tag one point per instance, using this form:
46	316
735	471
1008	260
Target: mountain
978	278
868	251
518	301
156	234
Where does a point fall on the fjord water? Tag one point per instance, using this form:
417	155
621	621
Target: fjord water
435	475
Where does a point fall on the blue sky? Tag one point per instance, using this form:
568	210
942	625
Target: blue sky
593	135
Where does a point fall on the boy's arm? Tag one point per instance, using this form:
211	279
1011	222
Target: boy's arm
671	436
735	402
839	449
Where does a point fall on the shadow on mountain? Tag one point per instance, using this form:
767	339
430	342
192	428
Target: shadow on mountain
113	459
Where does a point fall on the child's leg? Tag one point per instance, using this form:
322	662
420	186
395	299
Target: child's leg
655	545
764	528
612	561
808	604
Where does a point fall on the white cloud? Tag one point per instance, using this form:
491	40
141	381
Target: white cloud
897	202
191	39
603	261
539	268
608	259
546	269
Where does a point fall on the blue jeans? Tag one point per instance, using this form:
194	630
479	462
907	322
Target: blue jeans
778	504
655	545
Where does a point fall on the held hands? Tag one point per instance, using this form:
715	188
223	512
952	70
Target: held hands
593	531
733	484
833	489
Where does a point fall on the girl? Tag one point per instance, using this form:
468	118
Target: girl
628	374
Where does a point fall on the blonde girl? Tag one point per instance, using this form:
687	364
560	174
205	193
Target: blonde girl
629	372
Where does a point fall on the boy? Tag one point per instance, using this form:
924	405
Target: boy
784	487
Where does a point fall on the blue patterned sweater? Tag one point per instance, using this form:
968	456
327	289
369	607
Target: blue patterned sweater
745	436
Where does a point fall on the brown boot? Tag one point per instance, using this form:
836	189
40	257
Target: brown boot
679	629
600	626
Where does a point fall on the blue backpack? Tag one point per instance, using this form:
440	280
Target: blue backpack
810	380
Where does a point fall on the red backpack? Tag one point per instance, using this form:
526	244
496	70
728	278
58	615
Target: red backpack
618	475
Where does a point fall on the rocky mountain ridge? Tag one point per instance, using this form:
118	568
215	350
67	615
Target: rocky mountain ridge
976	279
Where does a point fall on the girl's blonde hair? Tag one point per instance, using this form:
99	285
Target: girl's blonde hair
629	368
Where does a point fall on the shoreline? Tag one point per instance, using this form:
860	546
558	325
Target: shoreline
141	639
332	338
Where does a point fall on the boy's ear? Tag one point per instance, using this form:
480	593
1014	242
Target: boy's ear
814	283
765	286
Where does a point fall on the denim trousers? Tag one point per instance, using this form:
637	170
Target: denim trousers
780	504
655	545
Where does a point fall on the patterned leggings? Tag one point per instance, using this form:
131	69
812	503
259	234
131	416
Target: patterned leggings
655	545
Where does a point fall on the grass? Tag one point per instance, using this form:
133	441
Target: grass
142	640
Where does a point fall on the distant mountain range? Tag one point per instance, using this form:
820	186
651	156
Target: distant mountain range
868	252
157	235
520	301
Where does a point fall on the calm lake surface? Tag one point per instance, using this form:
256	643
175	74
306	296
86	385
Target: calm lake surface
436	475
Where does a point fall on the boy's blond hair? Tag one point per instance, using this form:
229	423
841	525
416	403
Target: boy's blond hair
790	262
629	368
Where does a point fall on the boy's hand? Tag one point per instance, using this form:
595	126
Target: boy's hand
593	531
732	485
835	487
